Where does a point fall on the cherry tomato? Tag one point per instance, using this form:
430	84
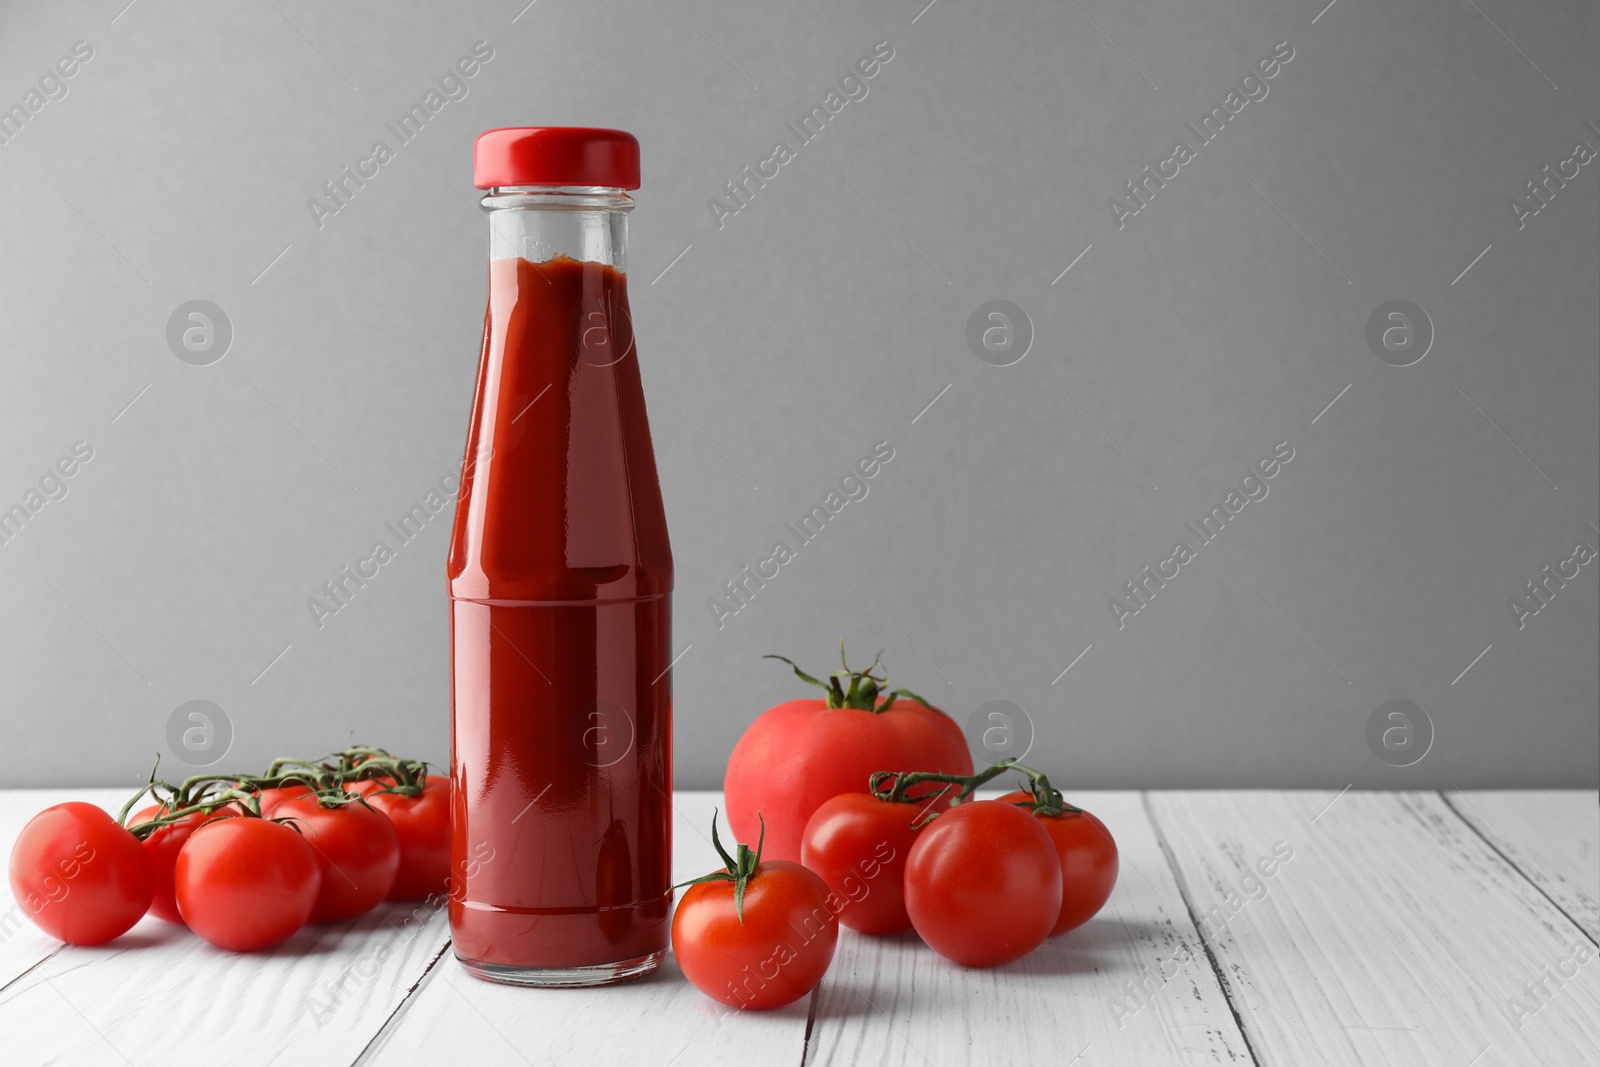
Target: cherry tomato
78	875
163	846
1088	862
271	798
775	956
356	848
983	883
803	752
858	845
245	883
422	824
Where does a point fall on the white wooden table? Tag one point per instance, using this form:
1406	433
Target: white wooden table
1401	930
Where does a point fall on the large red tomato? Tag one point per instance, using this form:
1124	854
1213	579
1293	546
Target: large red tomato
803	752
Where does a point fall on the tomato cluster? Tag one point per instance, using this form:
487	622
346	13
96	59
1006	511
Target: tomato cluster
982	882
243	861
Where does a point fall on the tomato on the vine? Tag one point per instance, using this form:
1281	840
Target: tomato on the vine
246	883
858	844
1088	857
79	875
162	846
356	848
756	935
802	752
422	823
983	883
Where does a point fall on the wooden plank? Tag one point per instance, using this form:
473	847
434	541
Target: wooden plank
160	995
893	1001
1394	934
1552	837
659	1020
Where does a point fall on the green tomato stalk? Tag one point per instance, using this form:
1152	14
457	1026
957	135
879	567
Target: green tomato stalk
864	689
741	868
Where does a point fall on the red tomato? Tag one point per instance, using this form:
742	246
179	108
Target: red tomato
271	798
162	847
858	845
357	851
1088	862
246	883
802	752
78	875
983	883
422	823
775	956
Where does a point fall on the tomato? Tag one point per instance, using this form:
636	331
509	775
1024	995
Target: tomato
775	956
356	848
271	798
1088	858
78	875
858	845
162	846
983	883
422	824
246	883
802	752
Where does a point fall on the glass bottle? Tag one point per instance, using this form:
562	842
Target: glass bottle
560	585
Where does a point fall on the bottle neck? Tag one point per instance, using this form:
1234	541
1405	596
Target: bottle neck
588	224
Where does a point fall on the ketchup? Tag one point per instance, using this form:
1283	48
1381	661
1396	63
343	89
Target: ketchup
560	582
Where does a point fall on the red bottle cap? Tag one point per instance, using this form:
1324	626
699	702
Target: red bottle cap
555	155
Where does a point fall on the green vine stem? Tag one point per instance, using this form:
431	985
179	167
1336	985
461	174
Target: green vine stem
150	780
891	786
249	805
864	689
407	777
741	868
325	779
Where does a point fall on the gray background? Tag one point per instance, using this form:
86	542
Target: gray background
824	317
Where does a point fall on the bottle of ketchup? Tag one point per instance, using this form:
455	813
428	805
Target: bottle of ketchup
560	589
